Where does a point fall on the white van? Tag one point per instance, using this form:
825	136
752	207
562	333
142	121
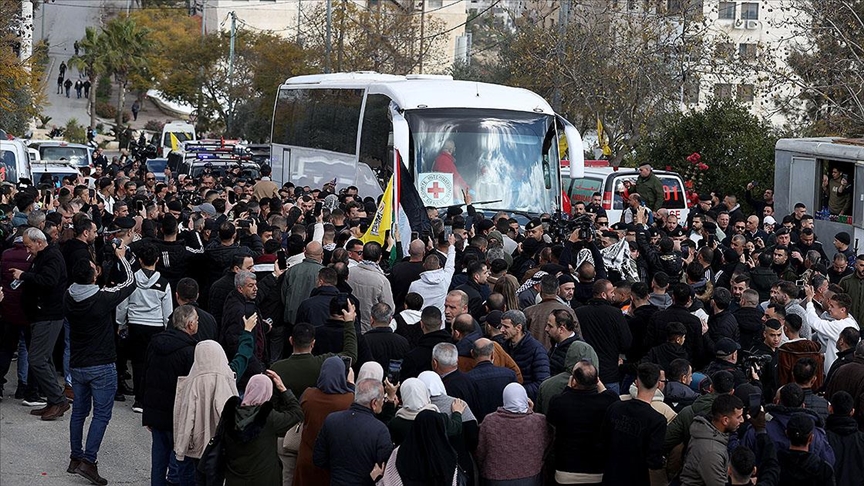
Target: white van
182	131
601	178
14	161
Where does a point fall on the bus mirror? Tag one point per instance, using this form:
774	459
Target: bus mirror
574	150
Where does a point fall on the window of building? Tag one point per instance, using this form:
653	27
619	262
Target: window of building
749	11
727	10
745	92
723	91
430	4
691	90
747	52
725	50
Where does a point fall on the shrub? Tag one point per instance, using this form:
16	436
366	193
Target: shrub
154	126
75	133
108	111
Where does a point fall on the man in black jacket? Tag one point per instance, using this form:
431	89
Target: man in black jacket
169	356
562	331
383	343
578	438
475	288
845	439
722	323
490	380
186	293
604	328
316	309
445	362
749	318
419	359
240	305
92	356
221	288
42	299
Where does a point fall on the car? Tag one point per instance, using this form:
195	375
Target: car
218	168
14	161
52	172
609	182
76	154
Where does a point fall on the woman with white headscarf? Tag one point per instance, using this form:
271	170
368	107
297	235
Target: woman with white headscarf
374	370
496	448
467	440
415	399
200	398
251	430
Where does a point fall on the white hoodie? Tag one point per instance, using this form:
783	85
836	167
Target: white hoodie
434	284
149	305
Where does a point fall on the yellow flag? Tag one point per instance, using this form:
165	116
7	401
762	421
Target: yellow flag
383	219
174	142
602	140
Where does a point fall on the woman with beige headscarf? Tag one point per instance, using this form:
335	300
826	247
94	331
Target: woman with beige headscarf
199	400
415	399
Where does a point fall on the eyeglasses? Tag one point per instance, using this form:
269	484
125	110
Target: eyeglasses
739	227
151	178
359	252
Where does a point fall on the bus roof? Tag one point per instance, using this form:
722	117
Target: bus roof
414	92
841	148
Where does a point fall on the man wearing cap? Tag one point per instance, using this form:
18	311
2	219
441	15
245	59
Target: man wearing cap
725	359
538	314
648	186
842	240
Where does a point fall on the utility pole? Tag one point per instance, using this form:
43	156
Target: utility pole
422	30
327	41
233	16
26	31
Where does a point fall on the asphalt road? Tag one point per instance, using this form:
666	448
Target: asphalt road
33	452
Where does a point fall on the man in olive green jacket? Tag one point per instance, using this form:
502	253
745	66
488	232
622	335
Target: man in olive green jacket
648	186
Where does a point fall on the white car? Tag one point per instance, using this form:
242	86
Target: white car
610	184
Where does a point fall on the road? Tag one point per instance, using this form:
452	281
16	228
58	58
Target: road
33	452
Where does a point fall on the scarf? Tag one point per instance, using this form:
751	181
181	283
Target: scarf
515	399
258	390
371	370
433	383
332	380
415	399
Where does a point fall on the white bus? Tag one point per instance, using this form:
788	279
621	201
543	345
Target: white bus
500	142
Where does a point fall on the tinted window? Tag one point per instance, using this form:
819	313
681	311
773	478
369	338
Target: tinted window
375	148
325	119
75	155
157	166
8	168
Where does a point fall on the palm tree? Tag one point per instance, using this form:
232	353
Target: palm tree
90	61
124	46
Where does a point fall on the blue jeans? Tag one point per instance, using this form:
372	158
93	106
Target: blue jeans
67	376
23	359
162	460
96	386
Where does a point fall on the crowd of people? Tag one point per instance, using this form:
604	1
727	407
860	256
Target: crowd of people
269	341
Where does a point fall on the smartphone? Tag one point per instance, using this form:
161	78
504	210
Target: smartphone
448	230
244	223
393	371
318	206
232	197
386	235
116	242
414	235
92	193
139	204
755	404
799	283
282	259
342	300
347	361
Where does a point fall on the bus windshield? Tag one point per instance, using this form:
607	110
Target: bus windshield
508	160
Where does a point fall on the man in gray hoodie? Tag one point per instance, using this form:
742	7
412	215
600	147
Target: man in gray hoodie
145	313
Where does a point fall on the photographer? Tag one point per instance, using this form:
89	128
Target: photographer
726	359
580	241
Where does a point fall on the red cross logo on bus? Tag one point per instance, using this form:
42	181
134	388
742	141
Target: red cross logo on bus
435	190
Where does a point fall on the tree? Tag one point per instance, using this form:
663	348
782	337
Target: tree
21	95
736	146
122	51
826	65
195	71
383	38
91	60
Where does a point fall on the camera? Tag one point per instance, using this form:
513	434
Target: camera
561	228
755	362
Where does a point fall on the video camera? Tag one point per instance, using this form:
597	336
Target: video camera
560	227
755	362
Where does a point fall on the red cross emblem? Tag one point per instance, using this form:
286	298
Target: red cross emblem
435	190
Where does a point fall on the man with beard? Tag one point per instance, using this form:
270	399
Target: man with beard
854	286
